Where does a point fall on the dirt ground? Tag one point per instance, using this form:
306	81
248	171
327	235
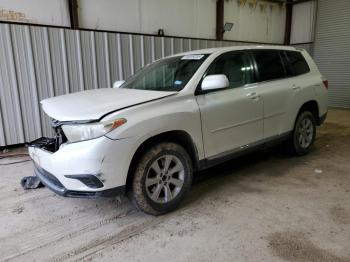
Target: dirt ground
265	206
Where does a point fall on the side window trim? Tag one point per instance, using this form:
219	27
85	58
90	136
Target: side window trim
255	65
256	69
289	64
286	63
251	61
246	59
283	65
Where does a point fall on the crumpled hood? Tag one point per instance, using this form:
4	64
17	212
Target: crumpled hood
93	104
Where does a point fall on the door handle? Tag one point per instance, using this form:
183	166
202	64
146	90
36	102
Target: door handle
294	87
253	95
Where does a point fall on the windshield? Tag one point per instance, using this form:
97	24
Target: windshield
169	74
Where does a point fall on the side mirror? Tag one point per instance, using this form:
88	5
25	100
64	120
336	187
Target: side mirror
117	84
212	82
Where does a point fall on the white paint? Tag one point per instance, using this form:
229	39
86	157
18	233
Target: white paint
87	105
53	12
303	22
246	113
215	82
263	23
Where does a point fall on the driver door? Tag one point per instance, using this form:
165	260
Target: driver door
232	118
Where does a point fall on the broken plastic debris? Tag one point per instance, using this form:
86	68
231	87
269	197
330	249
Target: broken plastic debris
31	182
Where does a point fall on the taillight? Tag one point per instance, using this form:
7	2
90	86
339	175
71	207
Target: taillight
325	83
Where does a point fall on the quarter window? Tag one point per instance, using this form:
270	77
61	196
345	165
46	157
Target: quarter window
269	64
295	63
236	66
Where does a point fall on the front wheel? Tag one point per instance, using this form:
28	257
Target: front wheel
304	133
161	179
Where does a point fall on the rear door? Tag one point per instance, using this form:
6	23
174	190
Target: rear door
276	89
232	118
298	72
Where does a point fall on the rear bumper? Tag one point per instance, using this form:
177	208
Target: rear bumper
51	182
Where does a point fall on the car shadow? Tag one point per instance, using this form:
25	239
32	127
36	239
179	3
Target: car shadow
238	170
234	166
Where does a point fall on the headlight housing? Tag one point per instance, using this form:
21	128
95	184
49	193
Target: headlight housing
81	132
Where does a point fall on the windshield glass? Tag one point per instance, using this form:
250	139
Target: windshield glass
170	74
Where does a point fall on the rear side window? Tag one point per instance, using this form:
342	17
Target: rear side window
236	66
269	64
295	63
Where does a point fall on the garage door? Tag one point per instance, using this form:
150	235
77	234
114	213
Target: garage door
332	48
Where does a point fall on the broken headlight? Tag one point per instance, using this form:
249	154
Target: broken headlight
81	132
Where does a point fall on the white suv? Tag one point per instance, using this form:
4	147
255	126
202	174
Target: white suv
177	115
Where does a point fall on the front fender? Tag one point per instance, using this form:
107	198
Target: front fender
152	119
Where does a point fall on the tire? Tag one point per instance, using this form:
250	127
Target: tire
157	189
304	134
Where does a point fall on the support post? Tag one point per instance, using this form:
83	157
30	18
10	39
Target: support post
73	14
219	19
288	27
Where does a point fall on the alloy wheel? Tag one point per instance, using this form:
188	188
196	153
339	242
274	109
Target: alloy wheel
165	178
305	133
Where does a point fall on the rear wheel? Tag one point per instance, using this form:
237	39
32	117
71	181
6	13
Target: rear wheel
304	133
162	178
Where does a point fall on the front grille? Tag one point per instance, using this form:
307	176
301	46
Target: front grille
48	144
59	135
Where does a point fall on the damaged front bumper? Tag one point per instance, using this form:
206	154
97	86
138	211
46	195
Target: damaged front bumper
56	186
90	169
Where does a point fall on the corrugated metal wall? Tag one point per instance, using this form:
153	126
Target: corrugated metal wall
40	62
332	49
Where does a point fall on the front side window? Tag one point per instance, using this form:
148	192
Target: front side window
169	74
236	66
295	63
269	64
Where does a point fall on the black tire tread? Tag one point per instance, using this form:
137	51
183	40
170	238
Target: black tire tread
293	146
137	194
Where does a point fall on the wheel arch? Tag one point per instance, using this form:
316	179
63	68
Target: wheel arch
176	136
311	106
